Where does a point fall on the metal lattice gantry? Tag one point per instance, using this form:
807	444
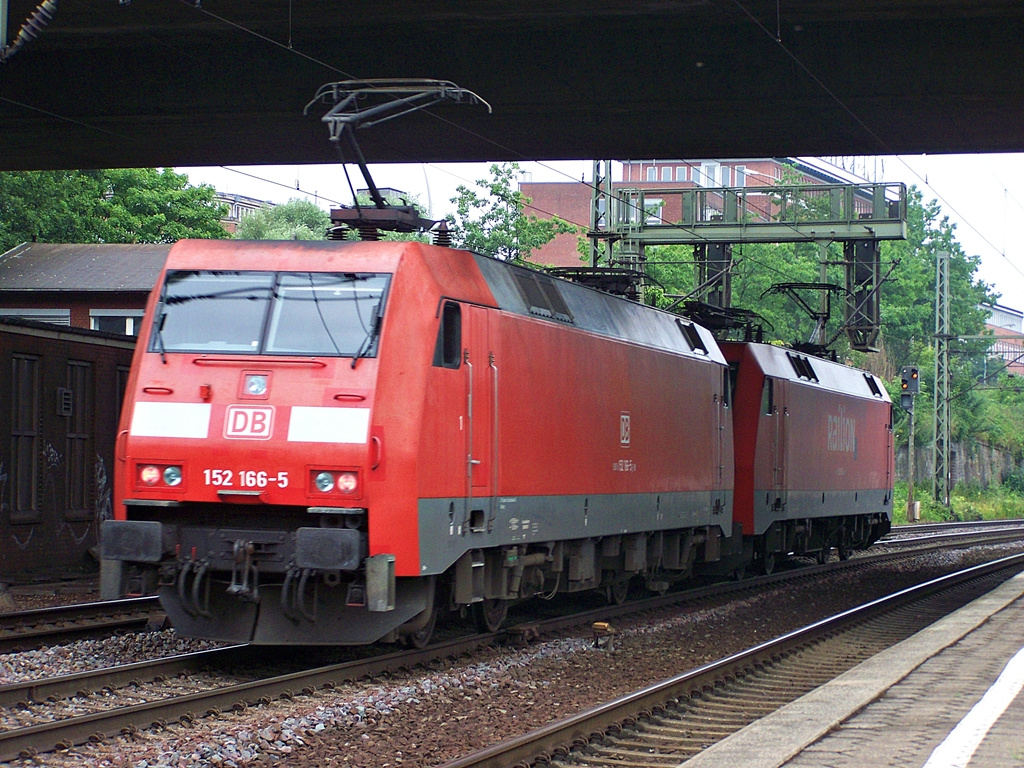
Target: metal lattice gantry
713	219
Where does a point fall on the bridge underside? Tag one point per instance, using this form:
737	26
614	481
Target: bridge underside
148	83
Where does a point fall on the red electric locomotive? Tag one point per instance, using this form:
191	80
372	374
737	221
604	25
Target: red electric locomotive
331	442
814	454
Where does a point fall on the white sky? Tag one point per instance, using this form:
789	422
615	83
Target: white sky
982	194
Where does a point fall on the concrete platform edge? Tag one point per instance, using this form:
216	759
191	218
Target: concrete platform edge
776	738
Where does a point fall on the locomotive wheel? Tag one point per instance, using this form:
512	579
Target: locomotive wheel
489	614
426	620
617	592
844	552
824	554
767	563
421	638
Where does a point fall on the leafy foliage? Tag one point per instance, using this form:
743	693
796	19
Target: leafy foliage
127	205
494	223
295	220
907	316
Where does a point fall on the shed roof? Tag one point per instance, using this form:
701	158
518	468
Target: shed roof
78	267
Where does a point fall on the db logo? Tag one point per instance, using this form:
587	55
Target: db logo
249	422
624	429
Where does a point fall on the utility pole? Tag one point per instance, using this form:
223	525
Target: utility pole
910	386
940	450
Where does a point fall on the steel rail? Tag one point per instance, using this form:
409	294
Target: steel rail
42	689
913	531
42	737
45	736
64	686
24	629
950	526
594	723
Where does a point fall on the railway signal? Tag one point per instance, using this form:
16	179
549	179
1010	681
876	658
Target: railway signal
910	385
911	379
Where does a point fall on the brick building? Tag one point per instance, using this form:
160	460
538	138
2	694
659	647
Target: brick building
1007	325
572	200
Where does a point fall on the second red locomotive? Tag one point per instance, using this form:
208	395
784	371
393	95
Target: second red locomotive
332	442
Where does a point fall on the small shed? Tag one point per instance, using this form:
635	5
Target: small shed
102	287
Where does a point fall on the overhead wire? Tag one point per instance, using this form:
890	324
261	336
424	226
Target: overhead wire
291	49
450	123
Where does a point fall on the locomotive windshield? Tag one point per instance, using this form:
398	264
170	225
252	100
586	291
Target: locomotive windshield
330	314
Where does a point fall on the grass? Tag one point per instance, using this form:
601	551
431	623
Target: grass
966	503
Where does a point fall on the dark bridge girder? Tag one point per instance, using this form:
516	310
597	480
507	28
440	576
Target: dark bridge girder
167	82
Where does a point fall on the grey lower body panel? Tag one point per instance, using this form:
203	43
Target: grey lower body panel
803	505
265	622
450	527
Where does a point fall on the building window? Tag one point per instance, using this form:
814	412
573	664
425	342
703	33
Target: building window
54	316
121	321
681	173
666	173
708	175
726	176
25	452
652	173
741	176
652	210
79	439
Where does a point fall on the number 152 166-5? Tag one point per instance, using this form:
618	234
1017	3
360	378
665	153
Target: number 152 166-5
246	478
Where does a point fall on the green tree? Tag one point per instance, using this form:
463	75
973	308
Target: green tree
130	205
295	220
494	222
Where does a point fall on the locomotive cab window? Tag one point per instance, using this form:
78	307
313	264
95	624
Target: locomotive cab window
448	350
768	397
326	314
730	376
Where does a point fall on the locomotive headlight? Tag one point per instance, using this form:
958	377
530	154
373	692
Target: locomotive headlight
324	482
347	482
255	384
172	475
149	475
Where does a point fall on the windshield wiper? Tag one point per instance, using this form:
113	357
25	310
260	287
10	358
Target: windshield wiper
160	336
371	334
252	291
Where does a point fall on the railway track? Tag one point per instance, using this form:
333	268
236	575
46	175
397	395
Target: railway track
664	724
927	531
169	706
25	630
